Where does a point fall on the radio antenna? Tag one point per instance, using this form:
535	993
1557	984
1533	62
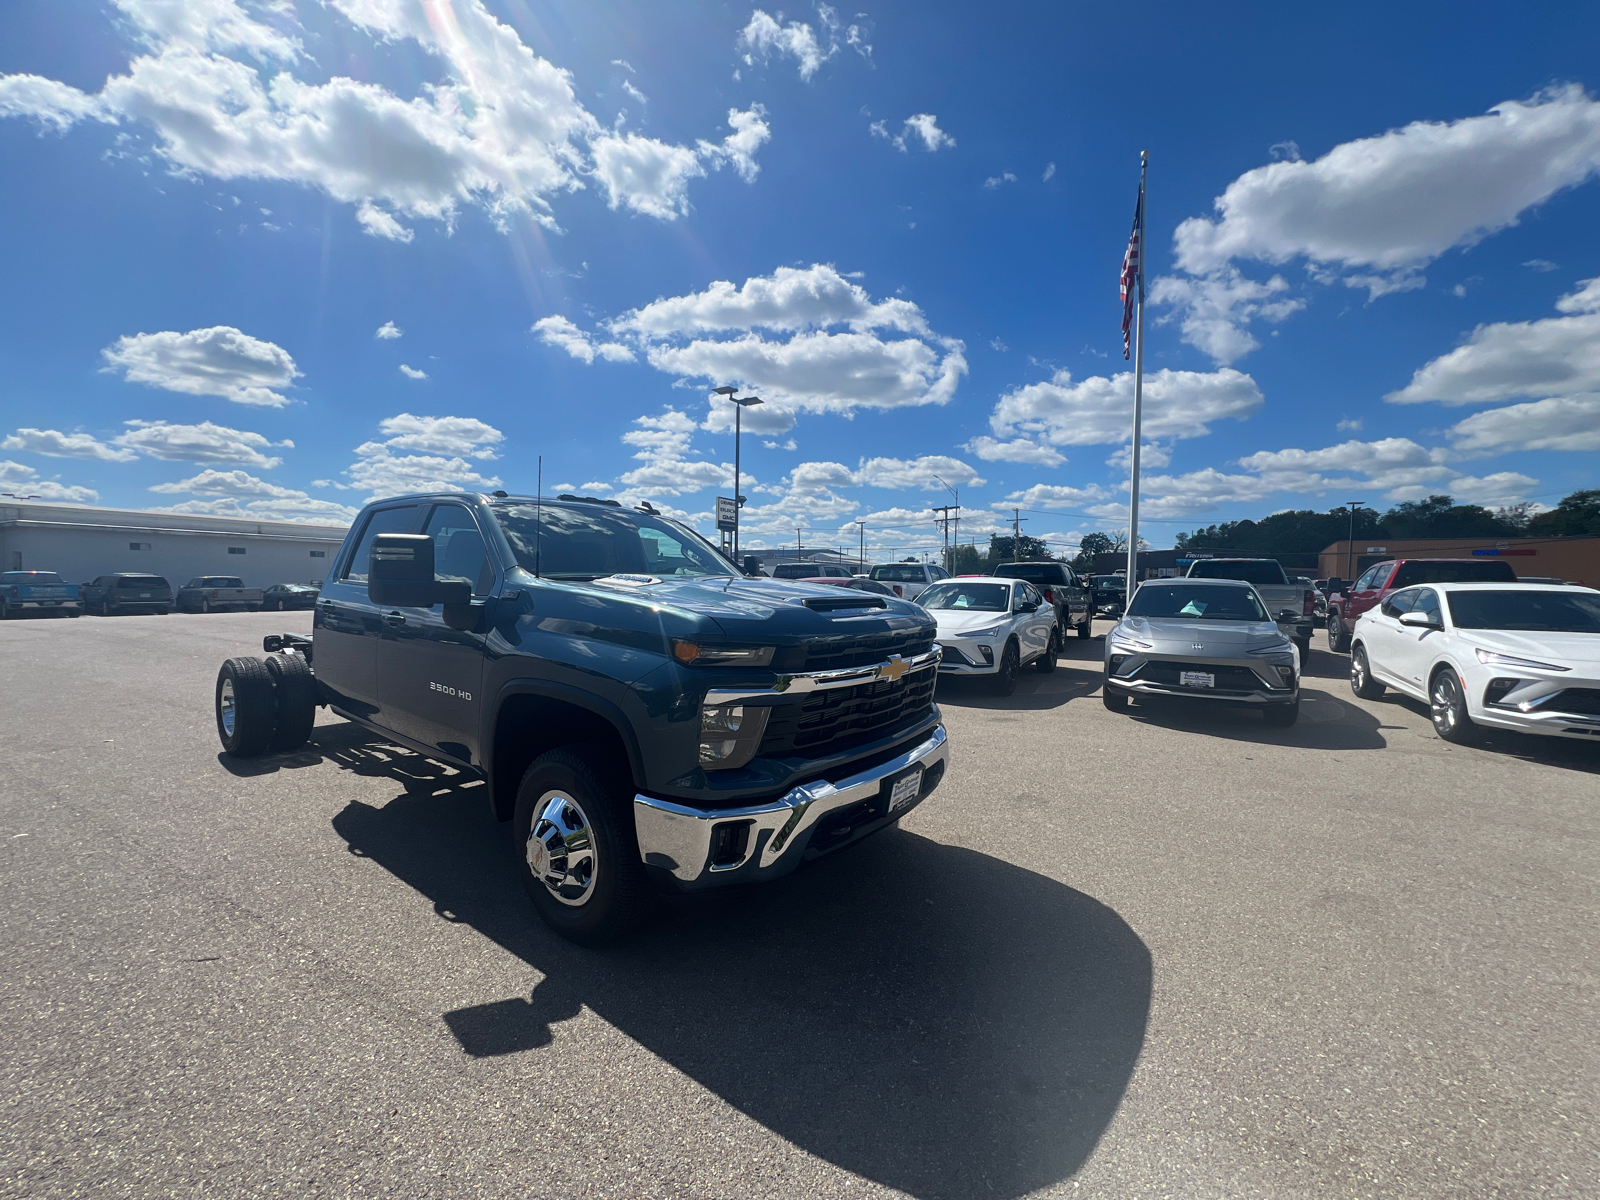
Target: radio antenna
538	517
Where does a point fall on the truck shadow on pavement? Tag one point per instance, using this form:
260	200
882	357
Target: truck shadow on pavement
923	1015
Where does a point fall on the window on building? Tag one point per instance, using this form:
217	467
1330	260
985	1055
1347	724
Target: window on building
138	545
235	549
319	554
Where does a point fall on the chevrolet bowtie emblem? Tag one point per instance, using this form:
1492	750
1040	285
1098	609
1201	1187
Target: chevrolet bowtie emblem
894	668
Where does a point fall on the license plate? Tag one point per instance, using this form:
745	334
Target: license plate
1197	679
905	790
144	595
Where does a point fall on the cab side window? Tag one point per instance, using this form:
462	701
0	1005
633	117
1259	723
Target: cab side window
458	548
385	520
1365	582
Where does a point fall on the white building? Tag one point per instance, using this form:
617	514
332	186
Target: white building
82	543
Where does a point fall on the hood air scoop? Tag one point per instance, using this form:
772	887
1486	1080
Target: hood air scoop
834	604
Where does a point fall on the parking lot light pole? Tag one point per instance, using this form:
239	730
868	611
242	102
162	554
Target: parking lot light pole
861	545
1350	544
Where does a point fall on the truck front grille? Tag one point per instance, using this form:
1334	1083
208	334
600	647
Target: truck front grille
830	722
832	654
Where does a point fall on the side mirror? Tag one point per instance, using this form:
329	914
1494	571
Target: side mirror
752	565
1418	620
400	574
1027	606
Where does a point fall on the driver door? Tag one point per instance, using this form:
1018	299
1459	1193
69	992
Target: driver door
1413	645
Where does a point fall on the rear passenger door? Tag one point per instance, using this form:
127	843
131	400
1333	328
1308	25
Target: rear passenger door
347	625
429	675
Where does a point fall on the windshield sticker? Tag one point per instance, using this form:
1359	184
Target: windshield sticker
1195	608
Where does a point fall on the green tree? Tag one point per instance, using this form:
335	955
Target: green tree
1088	546
965	560
1442	517
1005	549
1576	516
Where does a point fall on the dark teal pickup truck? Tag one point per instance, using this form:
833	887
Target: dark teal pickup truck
642	712
23	592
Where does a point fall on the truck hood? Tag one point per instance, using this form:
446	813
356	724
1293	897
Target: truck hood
1558	648
763	608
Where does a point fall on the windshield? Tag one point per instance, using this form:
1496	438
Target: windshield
1530	612
145	582
590	543
1108	581
967	597
1032	572
1193	602
36	578
1247	572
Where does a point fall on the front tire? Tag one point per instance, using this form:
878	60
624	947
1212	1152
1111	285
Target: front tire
1338	635
246	705
205	606
1361	681
1087	628
1004	681
1448	709
1046	662
577	852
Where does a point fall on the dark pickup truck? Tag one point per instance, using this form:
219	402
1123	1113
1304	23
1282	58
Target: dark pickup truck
642	712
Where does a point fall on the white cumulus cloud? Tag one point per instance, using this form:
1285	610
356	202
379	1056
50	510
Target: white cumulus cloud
445	444
1099	410
1018	450
65	445
564	335
238	493
466	436
412	372
220	361
202	443
920	126
21	479
1372	213
388	331
223	92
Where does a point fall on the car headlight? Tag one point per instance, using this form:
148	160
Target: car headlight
730	734
1276	646
1131	644
1490	659
687	651
991	631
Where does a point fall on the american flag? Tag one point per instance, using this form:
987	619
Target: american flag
1132	276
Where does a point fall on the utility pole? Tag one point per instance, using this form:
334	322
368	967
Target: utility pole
861	546
797	550
1350	545
1016	534
943	520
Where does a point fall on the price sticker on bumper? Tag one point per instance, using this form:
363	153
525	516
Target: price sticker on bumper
906	789
1197	679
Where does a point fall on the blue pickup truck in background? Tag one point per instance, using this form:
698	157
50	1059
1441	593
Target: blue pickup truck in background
37	591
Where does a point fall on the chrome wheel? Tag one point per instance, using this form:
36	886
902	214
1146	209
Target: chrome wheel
561	850
226	708
1358	672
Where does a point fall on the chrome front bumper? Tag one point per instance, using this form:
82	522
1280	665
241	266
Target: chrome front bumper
679	839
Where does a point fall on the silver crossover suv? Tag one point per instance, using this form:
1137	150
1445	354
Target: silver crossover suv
1204	639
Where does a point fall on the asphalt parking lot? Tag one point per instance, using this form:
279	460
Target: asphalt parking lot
1168	954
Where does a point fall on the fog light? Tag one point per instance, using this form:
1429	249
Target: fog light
1285	674
1497	689
730	734
1115	662
730	843
988	655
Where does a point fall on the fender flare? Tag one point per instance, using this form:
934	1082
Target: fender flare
576	697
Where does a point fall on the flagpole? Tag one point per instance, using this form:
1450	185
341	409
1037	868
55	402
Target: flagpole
1138	395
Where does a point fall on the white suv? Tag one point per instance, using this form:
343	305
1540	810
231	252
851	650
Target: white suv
908	579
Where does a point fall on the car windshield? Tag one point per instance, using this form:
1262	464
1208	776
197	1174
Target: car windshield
1246	572
1181	601
1527	611
145	582
36	578
573	542
967	597
1108	581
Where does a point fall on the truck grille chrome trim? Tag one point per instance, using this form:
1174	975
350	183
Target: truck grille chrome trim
679	838
892	668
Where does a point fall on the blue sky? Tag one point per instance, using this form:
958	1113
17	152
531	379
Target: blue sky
276	258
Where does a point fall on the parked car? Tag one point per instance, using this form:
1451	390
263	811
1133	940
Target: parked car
1319	598
1549	581
809	570
640	711
218	593
37	592
129	592
1514	656
908	579
1061	588
1107	593
1292	605
1376	582
1207	640
860	583
993	627
282	596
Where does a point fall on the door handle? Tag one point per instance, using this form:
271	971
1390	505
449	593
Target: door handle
394	619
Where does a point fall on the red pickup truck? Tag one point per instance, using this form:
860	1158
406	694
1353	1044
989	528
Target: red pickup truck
1376	582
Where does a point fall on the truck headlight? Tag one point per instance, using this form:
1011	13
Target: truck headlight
686	652
730	734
